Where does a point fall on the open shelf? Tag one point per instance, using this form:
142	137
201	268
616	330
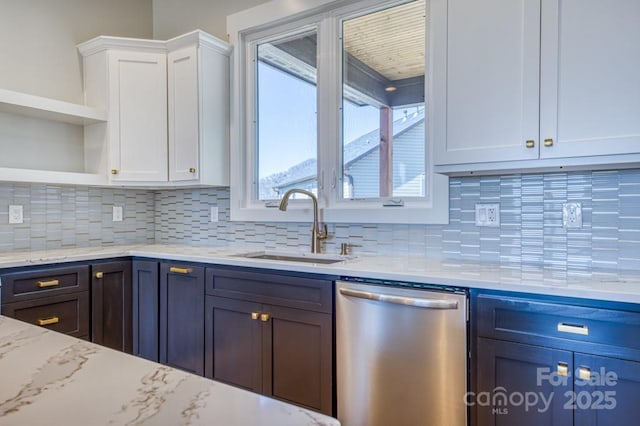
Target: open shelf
51	177
49	109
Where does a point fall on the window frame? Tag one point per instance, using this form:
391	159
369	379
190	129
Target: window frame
281	18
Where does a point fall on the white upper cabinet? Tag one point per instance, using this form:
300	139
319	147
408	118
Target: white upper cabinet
590	80
138	116
535	84
168	106
198	89
488	107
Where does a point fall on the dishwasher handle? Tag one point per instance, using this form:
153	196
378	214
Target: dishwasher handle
400	300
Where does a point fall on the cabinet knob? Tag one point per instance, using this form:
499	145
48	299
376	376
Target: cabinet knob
264	317
192	169
99	275
255	315
114	171
563	369
584	373
548	142
50	283
530	143
177	270
48	321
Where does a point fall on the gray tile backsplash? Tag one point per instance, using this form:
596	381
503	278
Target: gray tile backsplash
530	233
70	216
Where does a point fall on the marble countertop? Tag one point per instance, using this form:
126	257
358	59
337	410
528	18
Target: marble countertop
598	284
48	378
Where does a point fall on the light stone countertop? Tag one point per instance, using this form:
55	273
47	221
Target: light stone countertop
48	378
616	286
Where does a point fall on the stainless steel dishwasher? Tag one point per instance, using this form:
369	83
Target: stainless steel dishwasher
401	355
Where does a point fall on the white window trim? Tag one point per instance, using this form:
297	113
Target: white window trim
291	14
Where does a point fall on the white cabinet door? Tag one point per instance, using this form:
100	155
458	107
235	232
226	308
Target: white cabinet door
138	116
184	126
491	93
590	81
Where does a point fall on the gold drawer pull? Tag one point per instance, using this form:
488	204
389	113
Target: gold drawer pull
192	169
584	373
114	171
264	317
255	315
548	142
530	143
48	321
50	283
99	275
563	369
574	329
177	270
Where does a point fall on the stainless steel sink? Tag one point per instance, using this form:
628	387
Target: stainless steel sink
291	257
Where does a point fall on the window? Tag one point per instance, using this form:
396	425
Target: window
332	100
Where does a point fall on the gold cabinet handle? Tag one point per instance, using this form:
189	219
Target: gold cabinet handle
192	169
114	171
48	321
563	369
548	142
584	373
530	143
177	270
99	275
264	317
50	283
255	315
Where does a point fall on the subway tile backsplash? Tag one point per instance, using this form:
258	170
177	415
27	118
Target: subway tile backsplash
530	233
69	216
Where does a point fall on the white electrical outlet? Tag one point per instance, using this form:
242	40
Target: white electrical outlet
117	213
572	215
488	215
16	214
213	214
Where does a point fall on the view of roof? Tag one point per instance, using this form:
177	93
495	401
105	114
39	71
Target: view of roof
353	151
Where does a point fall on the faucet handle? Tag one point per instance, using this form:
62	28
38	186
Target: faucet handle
323	233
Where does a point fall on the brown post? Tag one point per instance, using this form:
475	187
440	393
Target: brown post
386	152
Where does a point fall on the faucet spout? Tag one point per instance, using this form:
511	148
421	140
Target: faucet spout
317	234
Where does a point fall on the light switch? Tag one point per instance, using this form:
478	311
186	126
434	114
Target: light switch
214	214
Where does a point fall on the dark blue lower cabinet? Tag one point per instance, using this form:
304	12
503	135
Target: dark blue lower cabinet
521	385
606	391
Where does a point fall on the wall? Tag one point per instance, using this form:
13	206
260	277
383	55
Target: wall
38	40
65	216
172	18
531	231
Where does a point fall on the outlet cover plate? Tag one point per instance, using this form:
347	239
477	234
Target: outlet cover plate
117	213
16	214
572	215
488	215
213	216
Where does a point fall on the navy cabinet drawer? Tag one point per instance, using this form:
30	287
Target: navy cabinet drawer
67	313
44	282
296	292
603	331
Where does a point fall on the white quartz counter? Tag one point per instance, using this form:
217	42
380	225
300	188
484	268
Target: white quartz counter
48	378
601	285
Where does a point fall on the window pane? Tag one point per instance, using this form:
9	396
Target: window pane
286	115
383	116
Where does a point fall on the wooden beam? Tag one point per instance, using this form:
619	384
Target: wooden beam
386	152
